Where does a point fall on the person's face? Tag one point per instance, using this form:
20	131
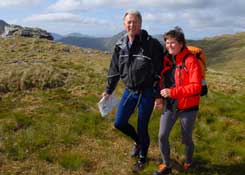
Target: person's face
173	46
132	25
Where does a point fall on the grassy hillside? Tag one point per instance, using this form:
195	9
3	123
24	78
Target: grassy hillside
225	52
50	124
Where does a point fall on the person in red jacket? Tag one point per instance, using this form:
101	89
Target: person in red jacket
181	87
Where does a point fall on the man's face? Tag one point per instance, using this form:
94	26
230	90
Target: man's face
132	24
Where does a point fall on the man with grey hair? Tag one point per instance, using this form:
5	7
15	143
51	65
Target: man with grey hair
137	60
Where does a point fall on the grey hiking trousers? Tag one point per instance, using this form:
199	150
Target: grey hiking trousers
167	121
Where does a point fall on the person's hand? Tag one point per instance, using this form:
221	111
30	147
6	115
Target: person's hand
104	94
159	104
165	92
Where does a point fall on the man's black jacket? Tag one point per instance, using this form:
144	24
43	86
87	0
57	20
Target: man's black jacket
138	66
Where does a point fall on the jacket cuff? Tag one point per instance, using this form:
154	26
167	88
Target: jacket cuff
108	91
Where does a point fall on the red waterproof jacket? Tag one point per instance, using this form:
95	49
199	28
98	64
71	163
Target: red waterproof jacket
186	85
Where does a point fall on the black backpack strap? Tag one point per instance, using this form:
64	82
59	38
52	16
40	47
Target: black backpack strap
183	66
198	56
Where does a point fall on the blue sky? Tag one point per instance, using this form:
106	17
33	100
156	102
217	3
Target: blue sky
198	18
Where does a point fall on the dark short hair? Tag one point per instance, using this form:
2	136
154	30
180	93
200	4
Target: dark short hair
176	33
133	12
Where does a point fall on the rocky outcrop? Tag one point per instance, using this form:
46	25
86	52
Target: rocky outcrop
2	26
16	30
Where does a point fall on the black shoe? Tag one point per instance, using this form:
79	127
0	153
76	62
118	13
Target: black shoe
163	169
139	165
136	150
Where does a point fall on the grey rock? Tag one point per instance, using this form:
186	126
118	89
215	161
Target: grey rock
2	26
16	30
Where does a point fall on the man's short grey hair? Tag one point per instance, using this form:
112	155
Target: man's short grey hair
133	12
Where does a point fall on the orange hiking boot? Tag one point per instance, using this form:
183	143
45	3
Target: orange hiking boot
186	166
163	169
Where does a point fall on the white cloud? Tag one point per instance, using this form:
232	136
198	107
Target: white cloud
176	4
158	15
64	18
65	5
65	23
53	17
213	18
11	3
158	11
162	18
74	5
236	8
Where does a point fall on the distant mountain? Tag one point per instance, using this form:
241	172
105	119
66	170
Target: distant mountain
57	36
110	42
86	42
78	35
101	43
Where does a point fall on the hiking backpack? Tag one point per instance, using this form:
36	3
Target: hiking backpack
199	54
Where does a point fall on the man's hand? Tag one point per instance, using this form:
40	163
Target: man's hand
104	94
159	104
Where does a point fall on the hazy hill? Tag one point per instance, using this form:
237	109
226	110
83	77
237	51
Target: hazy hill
110	42
50	124
57	36
85	42
101	43
77	35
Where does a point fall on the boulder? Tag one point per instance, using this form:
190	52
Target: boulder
2	26
16	30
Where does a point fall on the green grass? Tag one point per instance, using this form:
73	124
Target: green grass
59	130
74	161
